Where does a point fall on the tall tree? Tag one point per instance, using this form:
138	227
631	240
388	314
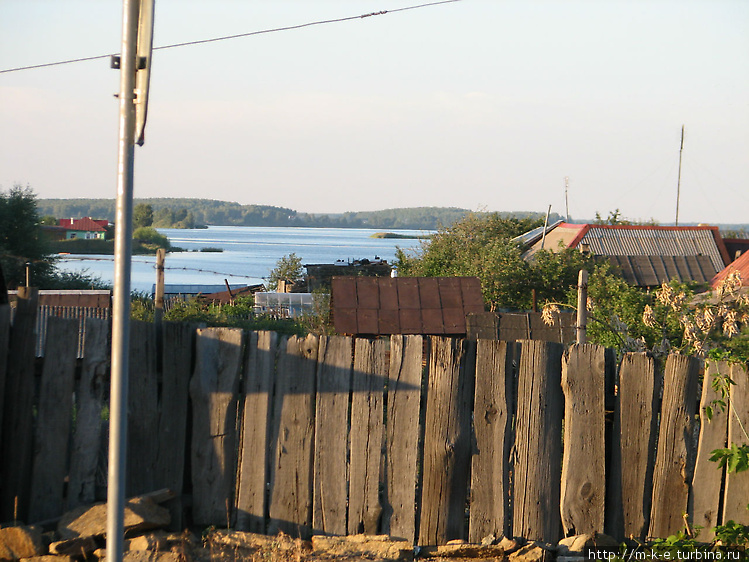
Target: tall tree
142	215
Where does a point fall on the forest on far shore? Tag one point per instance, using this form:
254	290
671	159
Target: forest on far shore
192	213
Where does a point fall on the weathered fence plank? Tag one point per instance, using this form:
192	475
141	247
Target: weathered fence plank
513	327
583	488
447	441
536	487
213	389
4	339
367	435
402	436
18	431
493	409
331	436
673	470
178	341
142	410
84	457
708	478
737	484
258	391
293	433
633	447
53	420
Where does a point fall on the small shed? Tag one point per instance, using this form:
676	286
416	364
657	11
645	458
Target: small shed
404	305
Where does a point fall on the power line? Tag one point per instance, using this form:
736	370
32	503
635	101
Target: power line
237	36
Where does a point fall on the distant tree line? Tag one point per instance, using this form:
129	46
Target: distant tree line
190	213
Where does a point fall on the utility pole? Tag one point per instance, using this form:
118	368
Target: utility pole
134	65
678	181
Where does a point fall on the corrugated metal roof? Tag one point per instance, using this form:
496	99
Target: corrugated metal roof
404	305
650	271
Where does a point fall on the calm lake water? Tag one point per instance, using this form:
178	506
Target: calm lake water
249	253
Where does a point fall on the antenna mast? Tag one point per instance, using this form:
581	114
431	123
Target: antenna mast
678	181
566	200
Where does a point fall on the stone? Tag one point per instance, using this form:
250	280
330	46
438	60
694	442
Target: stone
151	541
48	558
510	545
79	546
21	542
141	514
488	540
378	547
531	553
462	550
581	543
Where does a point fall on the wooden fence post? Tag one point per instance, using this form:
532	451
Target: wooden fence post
630	483
672	475
258	392
538	442
402	436
493	412
293	438
213	389
447	441
708	478
737	483
4	340
331	435
54	419
367	434
583	488
582	306
90	399
18	431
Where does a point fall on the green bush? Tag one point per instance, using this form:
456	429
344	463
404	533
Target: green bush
149	236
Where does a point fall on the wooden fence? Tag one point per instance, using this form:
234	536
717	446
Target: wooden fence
429	439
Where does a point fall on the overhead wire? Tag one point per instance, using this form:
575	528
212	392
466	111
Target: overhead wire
236	36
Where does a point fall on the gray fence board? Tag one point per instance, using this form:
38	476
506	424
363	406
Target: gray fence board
447	442
331	437
537	466
367	435
402	436
673	470
53	420
293	433
583	467
493	414
708	478
4	339
213	389
178	341
18	431
258	392
84	458
142	410
737	484
633	447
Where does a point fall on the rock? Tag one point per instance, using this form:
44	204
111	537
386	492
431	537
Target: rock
144	556
509	545
20	542
378	547
256	542
488	540
462	550
581	543
79	546
533	552
151	541
48	558
141	514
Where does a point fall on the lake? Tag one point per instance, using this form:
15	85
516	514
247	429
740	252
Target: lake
249	253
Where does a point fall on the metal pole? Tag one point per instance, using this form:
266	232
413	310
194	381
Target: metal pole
121	298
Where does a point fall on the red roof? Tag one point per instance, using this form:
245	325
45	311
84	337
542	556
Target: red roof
404	305
741	265
86	224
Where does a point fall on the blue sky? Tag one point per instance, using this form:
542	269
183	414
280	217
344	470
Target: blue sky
483	104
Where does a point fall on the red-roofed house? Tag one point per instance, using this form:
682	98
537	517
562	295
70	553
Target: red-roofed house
86	227
741	264
647	255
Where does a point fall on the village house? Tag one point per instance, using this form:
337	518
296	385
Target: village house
87	228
